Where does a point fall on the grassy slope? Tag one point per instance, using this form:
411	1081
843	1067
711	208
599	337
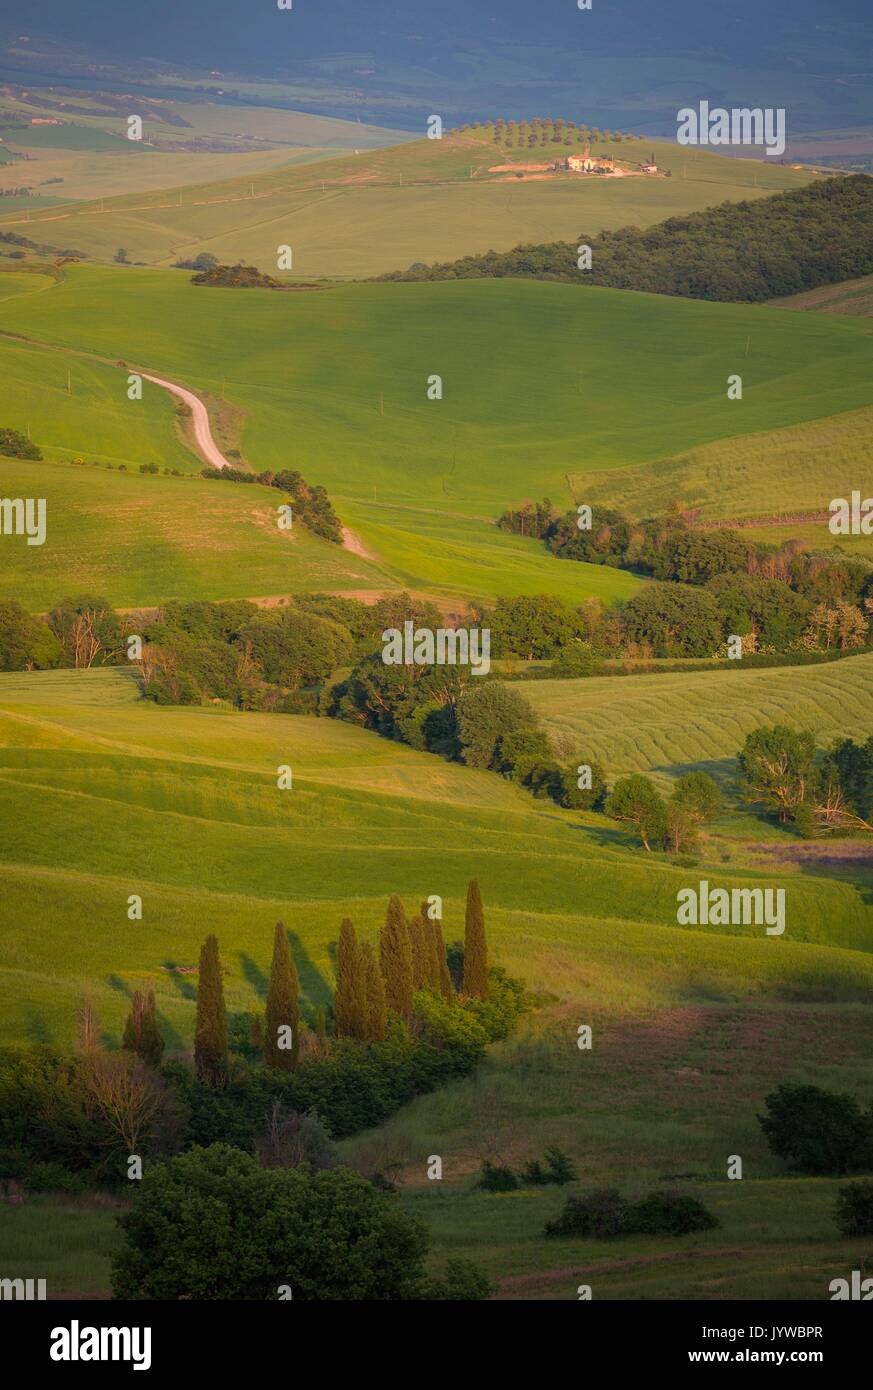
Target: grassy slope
113	787
666	723
422	480
365	223
692	1028
850	297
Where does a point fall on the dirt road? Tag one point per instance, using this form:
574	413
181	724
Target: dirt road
200	418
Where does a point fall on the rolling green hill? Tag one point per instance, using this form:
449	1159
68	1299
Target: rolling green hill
334	383
102	790
664	724
381	210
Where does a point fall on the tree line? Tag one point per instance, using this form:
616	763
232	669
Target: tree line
748	251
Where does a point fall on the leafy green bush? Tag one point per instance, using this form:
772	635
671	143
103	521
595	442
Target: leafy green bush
854	1211
599	1215
668	1214
495	1178
604	1214
817	1131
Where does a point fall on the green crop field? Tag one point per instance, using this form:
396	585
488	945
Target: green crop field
334	383
665	724
381	210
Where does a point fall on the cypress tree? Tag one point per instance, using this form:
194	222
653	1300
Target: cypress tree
320	1027
141	1032
210	1031
446	983
418	944
350	997
475	948
431	943
376	1007
283	1008
395	953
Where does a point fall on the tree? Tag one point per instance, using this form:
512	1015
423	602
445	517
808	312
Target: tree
87	1027
211	1224
531	626
126	1094
350	997
636	800
290	1138
121	256
26	643
817	1131
283	1007
475	946
395	954
88	630
141	1032
777	767
376	1006
698	796
854	1209
584	798
420	952
677	619
210	1031
447	987
486	714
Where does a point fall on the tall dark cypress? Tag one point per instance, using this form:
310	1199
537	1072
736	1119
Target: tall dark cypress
418	945
446	983
376	1006
475	947
283	1007
350	998
395	955
210	1031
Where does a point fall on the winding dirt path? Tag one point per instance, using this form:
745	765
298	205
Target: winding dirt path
200	418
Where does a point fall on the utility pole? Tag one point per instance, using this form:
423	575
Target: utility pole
69	382
381	403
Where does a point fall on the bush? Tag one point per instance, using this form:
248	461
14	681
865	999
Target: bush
817	1131
599	1215
669	1214
462	1281
854	1210
496	1179
211	1224
605	1214
51	1177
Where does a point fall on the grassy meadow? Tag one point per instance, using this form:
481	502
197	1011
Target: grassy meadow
334	383
377	210
666	724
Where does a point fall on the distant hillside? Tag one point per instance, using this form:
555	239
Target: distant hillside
426	200
745	251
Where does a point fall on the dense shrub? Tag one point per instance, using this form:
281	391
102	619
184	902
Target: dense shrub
604	1214
854	1212
818	1131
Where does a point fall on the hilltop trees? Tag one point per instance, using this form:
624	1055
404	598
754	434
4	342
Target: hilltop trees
777	767
210	1032
486	714
475	947
282	1023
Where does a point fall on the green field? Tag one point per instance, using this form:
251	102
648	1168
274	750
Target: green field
114	786
665	724
334	383
793	469
381	210
101	794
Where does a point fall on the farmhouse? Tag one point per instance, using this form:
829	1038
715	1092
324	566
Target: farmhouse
585	164
649	168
